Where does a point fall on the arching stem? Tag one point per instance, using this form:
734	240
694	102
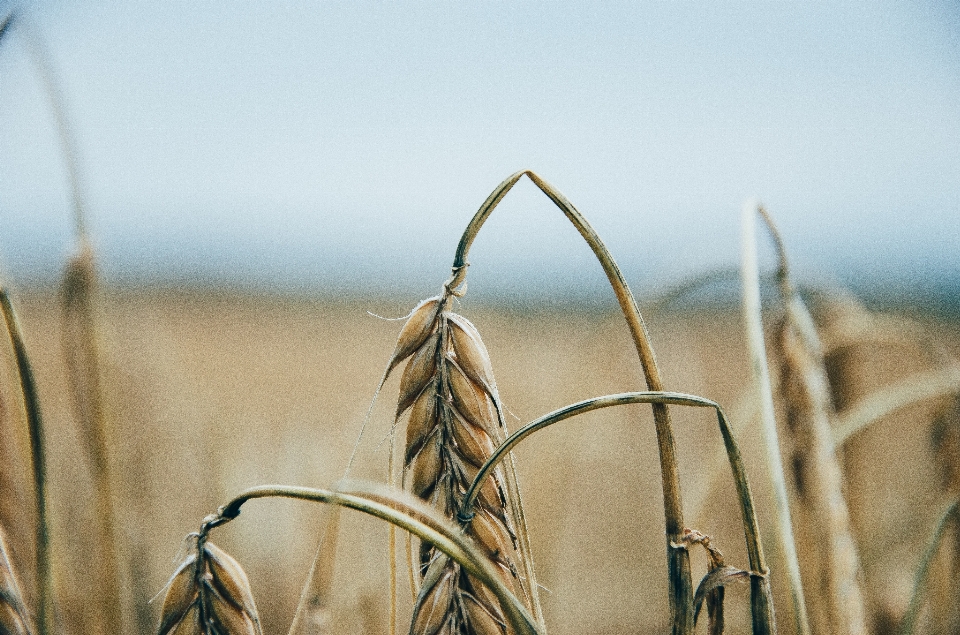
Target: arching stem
401	510
761	604
678	560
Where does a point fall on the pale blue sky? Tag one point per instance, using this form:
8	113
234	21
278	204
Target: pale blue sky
349	143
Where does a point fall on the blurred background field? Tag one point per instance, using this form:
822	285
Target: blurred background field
211	392
256	179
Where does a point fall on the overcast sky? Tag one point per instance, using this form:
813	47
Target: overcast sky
347	144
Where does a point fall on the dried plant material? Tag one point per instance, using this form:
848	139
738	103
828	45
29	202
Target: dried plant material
313	611
82	354
453	426
919	387
680	583
14	616
945	441
750	271
817	477
710	590
209	595
837	603
950	516
35	428
711	587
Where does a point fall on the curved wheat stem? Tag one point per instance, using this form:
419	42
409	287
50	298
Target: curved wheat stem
761	603
678	561
403	511
31	402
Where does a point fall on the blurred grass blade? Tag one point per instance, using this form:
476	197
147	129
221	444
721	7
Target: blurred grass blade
952	513
15	618
750	272
31	402
313	611
916	388
680	583
833	574
84	372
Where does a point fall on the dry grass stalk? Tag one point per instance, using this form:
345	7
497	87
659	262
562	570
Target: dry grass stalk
398	508
454	424
14	616
680	583
82	355
946	445
950	516
31	403
855	334
750	271
209	595
710	591
760	598
824	518
313	611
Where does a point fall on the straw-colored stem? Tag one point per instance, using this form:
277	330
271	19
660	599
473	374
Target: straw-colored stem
31	404
82	352
405	512
806	389
763	622
678	560
750	272
914	389
920	580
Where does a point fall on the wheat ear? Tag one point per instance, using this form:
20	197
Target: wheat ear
209	594
454	423
805	392
82	353
680	584
750	272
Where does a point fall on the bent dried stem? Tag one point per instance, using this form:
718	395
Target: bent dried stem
761	603
678	561
14	615
405	512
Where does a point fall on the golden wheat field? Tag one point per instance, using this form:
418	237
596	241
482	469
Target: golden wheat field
210	392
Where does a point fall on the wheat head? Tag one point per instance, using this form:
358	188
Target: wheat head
209	594
455	422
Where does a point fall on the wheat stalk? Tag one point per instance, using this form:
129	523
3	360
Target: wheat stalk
805	392
750	272
31	402
82	355
400	510
952	513
680	584
760	598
